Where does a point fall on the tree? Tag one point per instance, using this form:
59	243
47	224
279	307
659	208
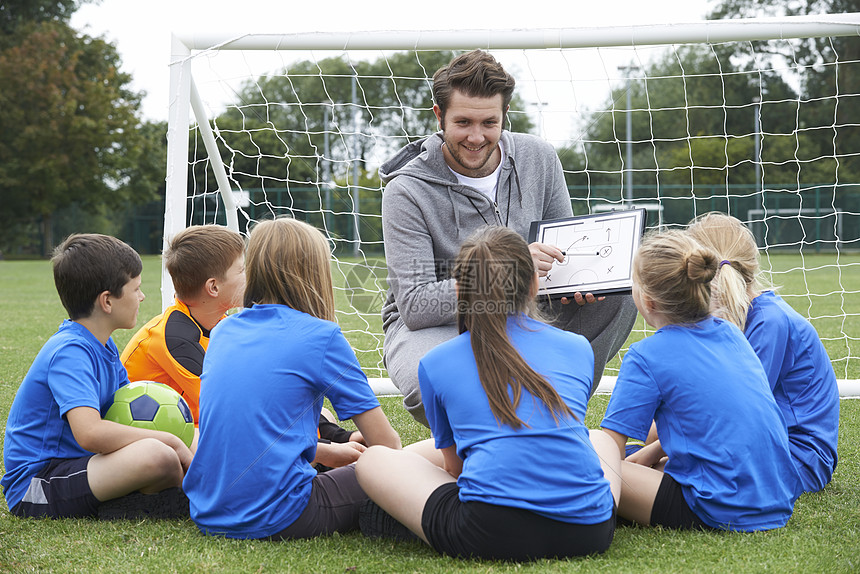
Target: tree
68	127
275	132
820	80
692	122
693	119
273	138
15	13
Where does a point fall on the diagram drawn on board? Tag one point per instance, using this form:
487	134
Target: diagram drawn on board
598	252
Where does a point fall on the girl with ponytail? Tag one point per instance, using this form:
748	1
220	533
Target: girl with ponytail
798	368
518	476
723	447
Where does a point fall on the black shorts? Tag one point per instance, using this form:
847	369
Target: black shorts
60	490
488	531
671	509
332	507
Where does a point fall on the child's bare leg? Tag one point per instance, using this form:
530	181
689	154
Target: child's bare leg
147	465
610	460
638	491
427	449
400	482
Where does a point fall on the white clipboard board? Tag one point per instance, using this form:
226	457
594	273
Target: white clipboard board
598	250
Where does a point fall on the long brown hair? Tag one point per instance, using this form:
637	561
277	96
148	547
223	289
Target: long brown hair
675	271
288	263
739	278
495	277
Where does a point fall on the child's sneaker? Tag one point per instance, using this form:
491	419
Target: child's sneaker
374	522
169	503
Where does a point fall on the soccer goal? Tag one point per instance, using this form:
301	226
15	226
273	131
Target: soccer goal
758	118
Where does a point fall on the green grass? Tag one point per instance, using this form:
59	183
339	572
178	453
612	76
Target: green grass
821	536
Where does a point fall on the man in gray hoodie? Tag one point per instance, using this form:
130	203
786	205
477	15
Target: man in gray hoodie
441	189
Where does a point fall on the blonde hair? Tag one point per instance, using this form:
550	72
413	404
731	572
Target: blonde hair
288	263
738	280
675	271
495	274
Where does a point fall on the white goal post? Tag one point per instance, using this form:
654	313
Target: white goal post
753	117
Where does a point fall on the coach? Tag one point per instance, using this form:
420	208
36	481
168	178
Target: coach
441	189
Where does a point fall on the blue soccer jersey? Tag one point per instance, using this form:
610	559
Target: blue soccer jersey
549	468
264	378
73	369
803	384
717	420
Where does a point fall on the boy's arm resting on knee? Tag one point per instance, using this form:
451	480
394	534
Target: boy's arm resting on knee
104	437
376	429
452	464
620	441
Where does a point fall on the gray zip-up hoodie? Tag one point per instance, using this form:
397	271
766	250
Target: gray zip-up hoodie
427	214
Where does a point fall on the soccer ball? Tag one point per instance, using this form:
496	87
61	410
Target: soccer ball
155	406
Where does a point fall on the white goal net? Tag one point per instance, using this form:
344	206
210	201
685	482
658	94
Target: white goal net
758	118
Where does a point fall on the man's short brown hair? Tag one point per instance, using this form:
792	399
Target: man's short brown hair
198	253
88	264
476	74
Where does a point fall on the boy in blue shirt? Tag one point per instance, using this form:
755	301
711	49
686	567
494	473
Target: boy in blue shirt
61	458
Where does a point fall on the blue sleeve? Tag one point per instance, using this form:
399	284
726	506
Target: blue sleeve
768	337
634	399
73	380
344	383
443	435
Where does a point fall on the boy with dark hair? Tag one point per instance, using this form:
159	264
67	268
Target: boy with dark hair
61	458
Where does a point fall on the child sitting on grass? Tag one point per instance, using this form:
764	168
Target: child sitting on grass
797	366
265	375
700	382
520	475
61	458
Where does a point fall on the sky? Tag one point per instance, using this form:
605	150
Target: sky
141	31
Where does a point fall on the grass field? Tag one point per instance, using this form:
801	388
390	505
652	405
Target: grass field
822	536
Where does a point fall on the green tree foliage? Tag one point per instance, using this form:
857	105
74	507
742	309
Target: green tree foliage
690	123
275	133
290	131
69	132
827	124
15	13
693	116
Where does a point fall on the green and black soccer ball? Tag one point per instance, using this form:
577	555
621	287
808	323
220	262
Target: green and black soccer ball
155	406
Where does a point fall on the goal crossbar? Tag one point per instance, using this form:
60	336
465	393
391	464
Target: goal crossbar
590	37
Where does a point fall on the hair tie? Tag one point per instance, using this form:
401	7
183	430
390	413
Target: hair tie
725	262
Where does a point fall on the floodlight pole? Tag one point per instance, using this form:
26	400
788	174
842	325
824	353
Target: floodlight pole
757	156
628	163
326	170
356	188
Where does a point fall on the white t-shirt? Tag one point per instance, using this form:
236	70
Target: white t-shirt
487	184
